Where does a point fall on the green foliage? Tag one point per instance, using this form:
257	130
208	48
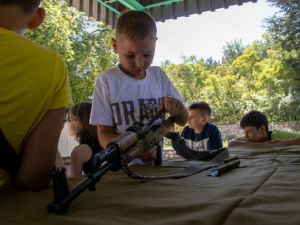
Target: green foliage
188	76
232	50
83	43
264	75
284	31
285	25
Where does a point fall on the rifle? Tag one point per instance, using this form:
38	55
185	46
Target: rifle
137	139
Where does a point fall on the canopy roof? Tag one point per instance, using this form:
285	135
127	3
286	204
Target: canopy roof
107	11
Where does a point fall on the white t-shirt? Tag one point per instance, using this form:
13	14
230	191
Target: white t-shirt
120	100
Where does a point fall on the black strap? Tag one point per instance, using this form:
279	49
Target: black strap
217	161
220	158
191	170
9	160
183	150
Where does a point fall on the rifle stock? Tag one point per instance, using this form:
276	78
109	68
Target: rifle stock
138	139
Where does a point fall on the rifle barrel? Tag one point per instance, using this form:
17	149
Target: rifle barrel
90	181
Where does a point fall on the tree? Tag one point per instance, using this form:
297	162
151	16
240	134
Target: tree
210	63
188	77
223	94
284	29
285	24
232	50
82	42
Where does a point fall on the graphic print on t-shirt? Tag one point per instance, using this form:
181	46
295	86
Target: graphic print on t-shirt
148	109
124	111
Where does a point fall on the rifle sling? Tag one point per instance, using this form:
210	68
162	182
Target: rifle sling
189	171
183	150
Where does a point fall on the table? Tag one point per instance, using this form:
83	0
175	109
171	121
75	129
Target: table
264	189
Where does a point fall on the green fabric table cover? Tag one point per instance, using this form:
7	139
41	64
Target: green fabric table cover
264	189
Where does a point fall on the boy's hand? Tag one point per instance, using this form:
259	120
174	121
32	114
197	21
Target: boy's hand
172	105
149	155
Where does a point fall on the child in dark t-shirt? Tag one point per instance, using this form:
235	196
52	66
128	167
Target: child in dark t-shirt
200	134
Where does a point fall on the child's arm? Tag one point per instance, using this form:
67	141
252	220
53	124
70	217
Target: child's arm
175	108
236	142
292	141
106	134
39	152
80	155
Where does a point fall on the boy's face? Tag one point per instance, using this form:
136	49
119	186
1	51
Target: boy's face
254	135
135	56
196	119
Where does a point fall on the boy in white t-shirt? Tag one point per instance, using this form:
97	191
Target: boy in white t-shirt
133	91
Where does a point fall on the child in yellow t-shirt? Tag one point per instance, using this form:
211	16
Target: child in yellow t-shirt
34	91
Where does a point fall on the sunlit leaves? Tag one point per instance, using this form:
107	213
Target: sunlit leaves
83	43
258	78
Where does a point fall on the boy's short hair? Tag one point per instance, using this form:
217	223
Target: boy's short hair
136	25
203	106
255	119
27	6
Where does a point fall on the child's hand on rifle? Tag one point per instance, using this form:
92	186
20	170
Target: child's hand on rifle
172	105
176	109
149	155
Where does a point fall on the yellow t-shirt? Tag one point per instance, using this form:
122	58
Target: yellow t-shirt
33	79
